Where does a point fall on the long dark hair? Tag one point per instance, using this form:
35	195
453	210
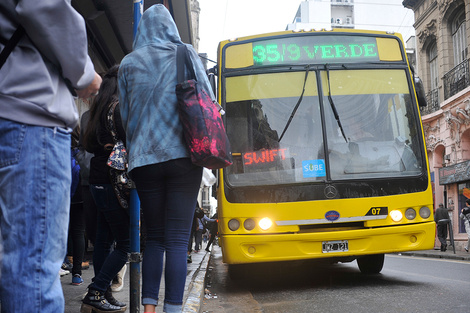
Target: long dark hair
107	94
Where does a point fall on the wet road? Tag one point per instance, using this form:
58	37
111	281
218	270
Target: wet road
406	284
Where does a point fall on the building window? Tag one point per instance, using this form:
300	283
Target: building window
458	78
433	70
459	39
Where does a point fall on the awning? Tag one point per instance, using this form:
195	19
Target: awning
110	26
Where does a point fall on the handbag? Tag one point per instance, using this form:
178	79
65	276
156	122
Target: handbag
117	162
203	128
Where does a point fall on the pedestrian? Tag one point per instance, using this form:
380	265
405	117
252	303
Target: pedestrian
198	213
202	222
112	219
166	180
77	216
84	157
465	215
441	217
37	113
213	230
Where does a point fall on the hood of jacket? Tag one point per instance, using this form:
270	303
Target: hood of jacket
156	27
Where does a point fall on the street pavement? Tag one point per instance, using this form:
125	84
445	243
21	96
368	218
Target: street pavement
193	294
194	288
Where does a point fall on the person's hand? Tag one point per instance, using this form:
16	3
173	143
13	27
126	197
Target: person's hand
91	89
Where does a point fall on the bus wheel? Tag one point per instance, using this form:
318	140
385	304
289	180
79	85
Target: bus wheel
371	264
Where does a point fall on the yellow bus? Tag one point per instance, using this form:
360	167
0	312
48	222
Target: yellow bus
328	148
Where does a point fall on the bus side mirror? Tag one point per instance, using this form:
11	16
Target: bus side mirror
420	92
212	80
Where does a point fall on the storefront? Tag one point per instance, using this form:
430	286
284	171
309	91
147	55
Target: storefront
456	181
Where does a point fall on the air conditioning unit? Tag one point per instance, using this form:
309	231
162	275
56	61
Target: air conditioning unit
339	21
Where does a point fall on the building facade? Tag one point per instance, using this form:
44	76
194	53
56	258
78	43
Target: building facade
328	14
324	14
442	54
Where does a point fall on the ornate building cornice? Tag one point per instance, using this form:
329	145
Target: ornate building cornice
443	5
431	133
430	30
432	142
454	122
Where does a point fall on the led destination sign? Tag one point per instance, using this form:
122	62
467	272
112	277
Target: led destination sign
264	156
315	49
263	160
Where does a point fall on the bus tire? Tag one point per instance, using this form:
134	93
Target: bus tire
371	264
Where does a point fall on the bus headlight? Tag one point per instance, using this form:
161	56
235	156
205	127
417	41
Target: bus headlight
425	212
265	223
396	215
410	214
249	224
233	224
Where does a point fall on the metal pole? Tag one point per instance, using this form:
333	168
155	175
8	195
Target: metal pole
135	258
134	212
138	10
451	235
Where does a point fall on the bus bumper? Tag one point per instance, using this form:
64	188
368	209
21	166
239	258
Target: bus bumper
239	249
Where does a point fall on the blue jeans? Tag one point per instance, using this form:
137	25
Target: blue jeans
198	239
168	195
35	179
112	226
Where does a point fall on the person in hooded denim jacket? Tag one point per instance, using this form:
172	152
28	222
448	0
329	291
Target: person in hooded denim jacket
166	181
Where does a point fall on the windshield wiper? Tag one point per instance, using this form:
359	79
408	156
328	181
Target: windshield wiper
333	107
307	69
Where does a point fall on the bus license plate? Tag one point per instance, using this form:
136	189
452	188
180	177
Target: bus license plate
335	246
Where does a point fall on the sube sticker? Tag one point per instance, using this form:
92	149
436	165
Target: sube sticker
313	168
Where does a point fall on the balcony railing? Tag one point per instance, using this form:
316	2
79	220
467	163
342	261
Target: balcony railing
457	79
432	99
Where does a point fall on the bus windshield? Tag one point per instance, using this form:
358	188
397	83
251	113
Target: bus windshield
378	137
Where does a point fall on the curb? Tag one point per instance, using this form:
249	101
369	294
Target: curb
437	256
196	288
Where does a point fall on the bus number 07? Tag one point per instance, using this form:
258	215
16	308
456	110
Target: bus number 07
375	211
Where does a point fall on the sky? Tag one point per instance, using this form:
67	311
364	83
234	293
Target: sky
224	19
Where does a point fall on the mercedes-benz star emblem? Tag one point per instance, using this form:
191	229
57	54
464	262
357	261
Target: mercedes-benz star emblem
331	192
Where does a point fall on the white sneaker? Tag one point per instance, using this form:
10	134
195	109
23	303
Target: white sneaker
117	286
63	272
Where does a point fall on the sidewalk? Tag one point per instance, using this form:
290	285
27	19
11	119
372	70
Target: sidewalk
436	253
193	294
194	288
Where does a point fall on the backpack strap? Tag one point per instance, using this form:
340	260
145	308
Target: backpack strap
11	44
111	126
